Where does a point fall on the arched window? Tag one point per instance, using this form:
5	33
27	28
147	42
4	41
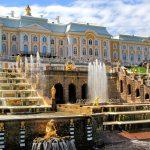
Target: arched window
129	89
124	47
84	51
138	48
25	38
4	37
3	47
61	52
44	39
104	43
96	52
35	39
44	49
132	57
139	57
14	38
75	50
35	49
137	92
105	53
124	57
115	55
74	40
25	49
96	42
14	49
147	96
83	41
60	42
90	51
52	41
90	42
52	51
121	86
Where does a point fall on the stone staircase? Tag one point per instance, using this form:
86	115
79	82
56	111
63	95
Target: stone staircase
17	95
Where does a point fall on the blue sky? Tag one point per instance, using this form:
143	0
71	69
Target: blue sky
34	2
119	16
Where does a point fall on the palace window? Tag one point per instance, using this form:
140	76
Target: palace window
84	51
3	47
96	42
90	51
74	40
145	48
3	37
44	39
124	47
44	49
14	38
137	93
114	46
25	38
35	49
138	48
90	42
131	47
132	57
35	39
83	41
61	52
25	49
139	57
115	55
105	52
60	42
124	56
14	49
52	51
96	52
104	43
52	41
75	50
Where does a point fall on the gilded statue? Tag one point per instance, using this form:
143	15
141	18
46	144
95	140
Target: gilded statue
28	11
96	101
51	130
53	92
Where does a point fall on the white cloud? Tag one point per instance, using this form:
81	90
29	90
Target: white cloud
120	16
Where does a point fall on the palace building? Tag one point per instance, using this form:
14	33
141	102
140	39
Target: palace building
82	42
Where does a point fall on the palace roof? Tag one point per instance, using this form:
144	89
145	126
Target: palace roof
132	38
60	28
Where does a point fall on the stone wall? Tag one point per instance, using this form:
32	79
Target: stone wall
36	128
133	90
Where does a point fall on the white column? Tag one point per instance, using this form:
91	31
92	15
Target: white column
69	47
0	39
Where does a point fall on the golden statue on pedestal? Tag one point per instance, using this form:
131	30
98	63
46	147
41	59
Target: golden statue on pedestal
51	130
96	101
53	92
28	11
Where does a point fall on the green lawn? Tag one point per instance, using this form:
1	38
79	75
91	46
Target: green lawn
138	70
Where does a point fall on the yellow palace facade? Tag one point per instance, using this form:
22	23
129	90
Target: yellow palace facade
79	42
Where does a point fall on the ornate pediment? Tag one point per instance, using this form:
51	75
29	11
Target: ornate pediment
35	27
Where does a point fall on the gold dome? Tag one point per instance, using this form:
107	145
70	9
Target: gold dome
28	11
